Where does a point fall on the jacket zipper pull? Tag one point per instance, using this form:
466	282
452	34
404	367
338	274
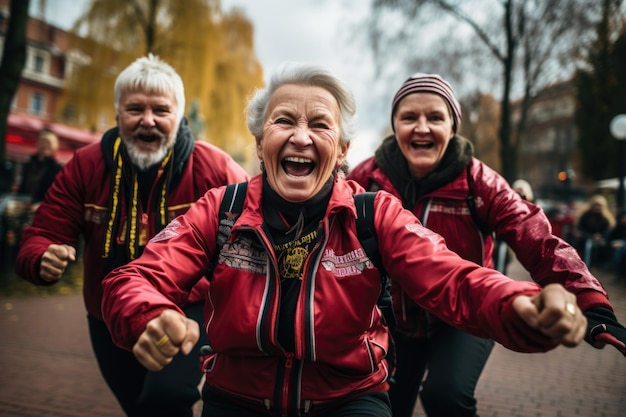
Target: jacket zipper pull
143	231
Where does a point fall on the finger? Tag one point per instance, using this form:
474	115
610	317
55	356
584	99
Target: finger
193	334
167	332
71	252
527	310
54	261
63	252
177	326
559	316
576	334
150	356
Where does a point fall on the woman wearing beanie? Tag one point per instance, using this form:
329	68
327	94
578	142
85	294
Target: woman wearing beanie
433	171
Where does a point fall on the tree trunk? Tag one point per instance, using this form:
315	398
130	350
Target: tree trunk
12	64
508	153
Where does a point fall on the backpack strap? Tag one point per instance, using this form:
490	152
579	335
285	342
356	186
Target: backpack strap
366	233
485	230
232	203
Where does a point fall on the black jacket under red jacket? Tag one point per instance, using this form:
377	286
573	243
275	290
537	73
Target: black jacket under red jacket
79	202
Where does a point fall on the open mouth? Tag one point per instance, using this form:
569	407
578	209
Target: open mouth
149	138
298	167
422	145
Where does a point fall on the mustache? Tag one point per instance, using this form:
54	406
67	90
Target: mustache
151	131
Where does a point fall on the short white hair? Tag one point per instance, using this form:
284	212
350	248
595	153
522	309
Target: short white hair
310	75
152	75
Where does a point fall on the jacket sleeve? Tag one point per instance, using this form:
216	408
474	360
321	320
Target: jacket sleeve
528	232
173	262
472	298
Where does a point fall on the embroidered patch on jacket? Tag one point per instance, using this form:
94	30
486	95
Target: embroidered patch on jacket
293	255
95	214
351	263
460	208
422	231
243	255
170	231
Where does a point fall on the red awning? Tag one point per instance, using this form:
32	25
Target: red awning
31	125
21	138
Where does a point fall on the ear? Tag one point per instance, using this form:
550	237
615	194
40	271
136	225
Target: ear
343	152
259	149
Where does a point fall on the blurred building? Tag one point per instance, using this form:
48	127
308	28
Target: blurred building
548	153
48	62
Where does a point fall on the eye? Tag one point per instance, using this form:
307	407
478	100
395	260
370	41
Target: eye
283	121
319	125
162	111
134	109
437	117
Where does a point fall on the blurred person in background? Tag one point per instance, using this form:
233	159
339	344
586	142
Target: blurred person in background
617	241
39	172
524	189
433	171
593	224
29	183
117	194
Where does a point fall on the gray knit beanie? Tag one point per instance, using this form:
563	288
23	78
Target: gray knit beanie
429	83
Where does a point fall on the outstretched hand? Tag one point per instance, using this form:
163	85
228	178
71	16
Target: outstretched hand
605	329
54	261
164	337
553	312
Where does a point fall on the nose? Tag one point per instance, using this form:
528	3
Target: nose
301	136
421	125
147	118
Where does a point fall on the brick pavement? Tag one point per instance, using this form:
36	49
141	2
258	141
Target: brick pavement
47	368
565	382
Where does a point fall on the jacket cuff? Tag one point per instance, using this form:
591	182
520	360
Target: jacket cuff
590	298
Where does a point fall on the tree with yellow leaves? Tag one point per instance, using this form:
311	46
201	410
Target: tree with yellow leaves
212	51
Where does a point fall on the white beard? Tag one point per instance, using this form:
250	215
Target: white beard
143	160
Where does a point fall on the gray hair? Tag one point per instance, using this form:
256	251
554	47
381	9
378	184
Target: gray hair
152	75
310	75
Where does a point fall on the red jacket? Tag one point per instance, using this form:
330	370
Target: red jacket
522	225
340	340
78	203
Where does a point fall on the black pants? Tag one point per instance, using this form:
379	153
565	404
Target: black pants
171	392
369	405
454	361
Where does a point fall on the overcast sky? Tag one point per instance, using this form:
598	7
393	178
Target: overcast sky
316	31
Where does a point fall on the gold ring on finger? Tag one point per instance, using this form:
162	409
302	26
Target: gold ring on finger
163	340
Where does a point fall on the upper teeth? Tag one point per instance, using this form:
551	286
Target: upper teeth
298	160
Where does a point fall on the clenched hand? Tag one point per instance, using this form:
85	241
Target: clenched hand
553	312
164	337
54	261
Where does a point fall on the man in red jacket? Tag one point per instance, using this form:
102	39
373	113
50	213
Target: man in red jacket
117	194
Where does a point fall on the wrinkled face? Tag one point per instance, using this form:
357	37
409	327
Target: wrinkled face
148	125
423	127
301	143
